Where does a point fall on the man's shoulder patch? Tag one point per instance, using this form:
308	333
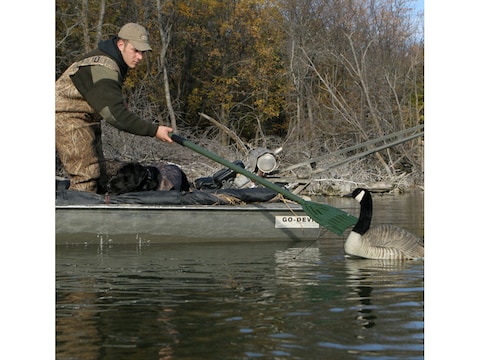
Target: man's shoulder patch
99	60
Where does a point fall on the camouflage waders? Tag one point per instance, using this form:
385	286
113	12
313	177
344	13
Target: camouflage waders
79	146
78	130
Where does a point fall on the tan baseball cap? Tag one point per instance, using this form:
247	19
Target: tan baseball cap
136	34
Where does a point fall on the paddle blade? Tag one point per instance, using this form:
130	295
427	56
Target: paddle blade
331	218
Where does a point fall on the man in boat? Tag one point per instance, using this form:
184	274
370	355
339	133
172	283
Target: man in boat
91	90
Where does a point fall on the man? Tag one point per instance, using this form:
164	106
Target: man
91	90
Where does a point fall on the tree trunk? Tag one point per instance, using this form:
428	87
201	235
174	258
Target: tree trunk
85	27
101	15
165	37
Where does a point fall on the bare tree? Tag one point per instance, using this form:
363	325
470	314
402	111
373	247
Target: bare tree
360	54
101	15
165	37
85	25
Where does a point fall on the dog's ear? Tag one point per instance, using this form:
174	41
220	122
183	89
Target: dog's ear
139	174
152	179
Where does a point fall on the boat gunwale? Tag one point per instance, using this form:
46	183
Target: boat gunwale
236	207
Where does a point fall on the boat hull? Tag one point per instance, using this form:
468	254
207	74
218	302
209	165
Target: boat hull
155	224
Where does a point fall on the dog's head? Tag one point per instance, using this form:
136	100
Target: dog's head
132	177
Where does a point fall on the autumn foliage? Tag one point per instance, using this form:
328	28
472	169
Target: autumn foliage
318	75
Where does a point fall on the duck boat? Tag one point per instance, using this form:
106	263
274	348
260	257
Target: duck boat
159	217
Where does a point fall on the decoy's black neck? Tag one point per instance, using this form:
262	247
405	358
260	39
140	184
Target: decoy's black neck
365	218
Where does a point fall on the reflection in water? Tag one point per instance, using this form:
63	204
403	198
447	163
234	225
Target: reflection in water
359	272
364	276
365	316
292	266
76	323
199	301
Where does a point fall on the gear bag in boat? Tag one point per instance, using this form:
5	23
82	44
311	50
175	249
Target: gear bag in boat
223	178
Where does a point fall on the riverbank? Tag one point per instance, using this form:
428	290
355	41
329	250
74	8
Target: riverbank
404	174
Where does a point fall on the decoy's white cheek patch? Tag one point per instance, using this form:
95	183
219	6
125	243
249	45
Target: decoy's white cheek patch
360	196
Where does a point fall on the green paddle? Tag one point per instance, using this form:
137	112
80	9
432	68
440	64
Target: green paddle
331	218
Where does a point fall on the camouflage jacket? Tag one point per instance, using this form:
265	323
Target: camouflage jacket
93	85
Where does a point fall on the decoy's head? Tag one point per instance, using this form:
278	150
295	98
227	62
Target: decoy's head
358	194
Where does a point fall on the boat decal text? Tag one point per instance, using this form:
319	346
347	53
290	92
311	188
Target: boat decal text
295	222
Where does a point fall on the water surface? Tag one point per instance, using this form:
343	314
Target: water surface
275	300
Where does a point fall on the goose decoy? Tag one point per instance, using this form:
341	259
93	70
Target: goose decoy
380	241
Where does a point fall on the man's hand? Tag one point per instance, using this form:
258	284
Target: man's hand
162	133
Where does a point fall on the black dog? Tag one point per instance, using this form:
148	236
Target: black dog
136	177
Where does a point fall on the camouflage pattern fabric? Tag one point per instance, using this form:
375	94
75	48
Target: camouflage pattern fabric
78	132
79	147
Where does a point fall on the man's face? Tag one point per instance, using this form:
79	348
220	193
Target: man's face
131	56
